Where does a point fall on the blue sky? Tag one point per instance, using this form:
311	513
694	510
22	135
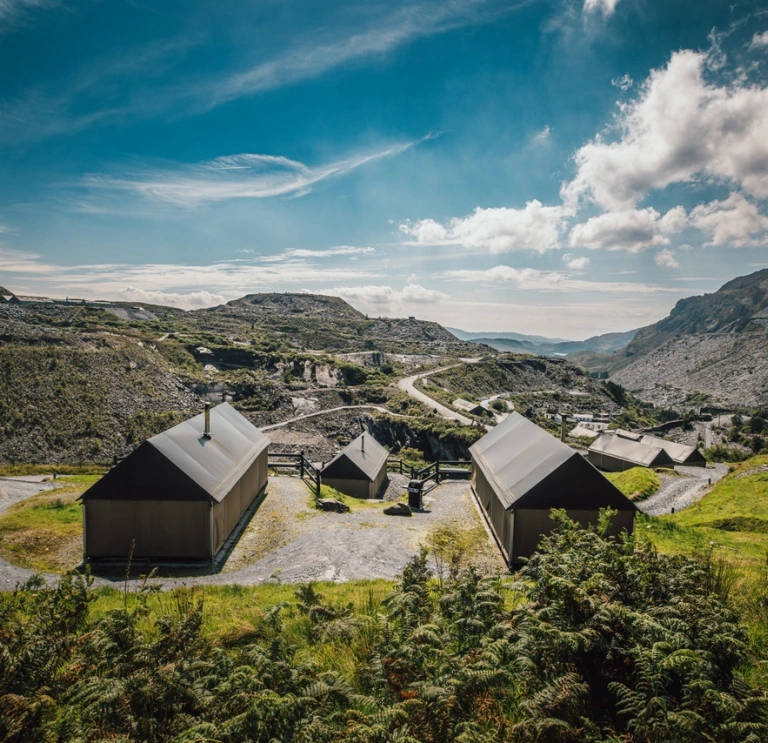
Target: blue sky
561	167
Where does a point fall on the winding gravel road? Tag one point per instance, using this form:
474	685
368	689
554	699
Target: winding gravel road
679	491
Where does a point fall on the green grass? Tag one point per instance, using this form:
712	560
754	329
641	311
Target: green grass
730	525
44	532
20	470
355	504
235	614
637	483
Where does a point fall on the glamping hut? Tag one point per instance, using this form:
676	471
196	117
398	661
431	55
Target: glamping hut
616	451
520	472
181	493
688	456
359	470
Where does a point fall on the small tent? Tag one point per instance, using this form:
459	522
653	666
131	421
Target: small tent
358	470
181	493
520	472
616	451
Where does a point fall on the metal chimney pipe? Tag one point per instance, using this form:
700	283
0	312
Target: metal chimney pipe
563	429
207	431
362	443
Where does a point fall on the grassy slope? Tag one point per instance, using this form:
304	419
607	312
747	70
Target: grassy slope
637	484
733	516
44	532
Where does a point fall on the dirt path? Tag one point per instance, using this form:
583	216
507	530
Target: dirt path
679	491
331	410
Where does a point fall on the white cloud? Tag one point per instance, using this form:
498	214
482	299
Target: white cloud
497	230
244	176
759	41
542	136
191	301
606	7
294	253
625	82
574	263
667	259
680	128
632	230
372	295
552	281
733	221
29	273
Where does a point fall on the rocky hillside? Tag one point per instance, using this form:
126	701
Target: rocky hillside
727	368
317	322
740	306
82	383
715	344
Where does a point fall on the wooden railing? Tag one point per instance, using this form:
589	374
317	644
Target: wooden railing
299	463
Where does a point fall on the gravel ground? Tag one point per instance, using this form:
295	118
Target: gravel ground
13	490
290	541
679	491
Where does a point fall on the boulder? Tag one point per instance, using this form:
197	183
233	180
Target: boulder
331	504
398	509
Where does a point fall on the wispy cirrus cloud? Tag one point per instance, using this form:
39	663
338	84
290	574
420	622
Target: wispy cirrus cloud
340	250
312	60
113	90
242	176
12	10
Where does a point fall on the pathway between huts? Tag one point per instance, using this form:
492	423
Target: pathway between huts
688	486
289	541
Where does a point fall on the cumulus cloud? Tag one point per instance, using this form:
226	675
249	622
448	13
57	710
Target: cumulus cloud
680	128
191	301
735	221
534	279
574	263
625	82
497	230
242	176
667	259
633	230
606	7
759	41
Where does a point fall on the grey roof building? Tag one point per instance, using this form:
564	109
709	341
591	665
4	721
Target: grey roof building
616	451
358	470
520	472
181	493
683	454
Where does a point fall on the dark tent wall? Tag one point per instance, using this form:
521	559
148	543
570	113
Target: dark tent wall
520	472
359	470
180	494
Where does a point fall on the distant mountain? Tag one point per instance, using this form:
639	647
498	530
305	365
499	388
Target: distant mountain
534	339
542	346
715	344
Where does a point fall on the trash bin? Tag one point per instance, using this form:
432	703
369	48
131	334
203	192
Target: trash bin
414	493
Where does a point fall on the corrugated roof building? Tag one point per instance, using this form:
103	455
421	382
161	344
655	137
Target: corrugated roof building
520	472
359	470
683	454
616	451
181	493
